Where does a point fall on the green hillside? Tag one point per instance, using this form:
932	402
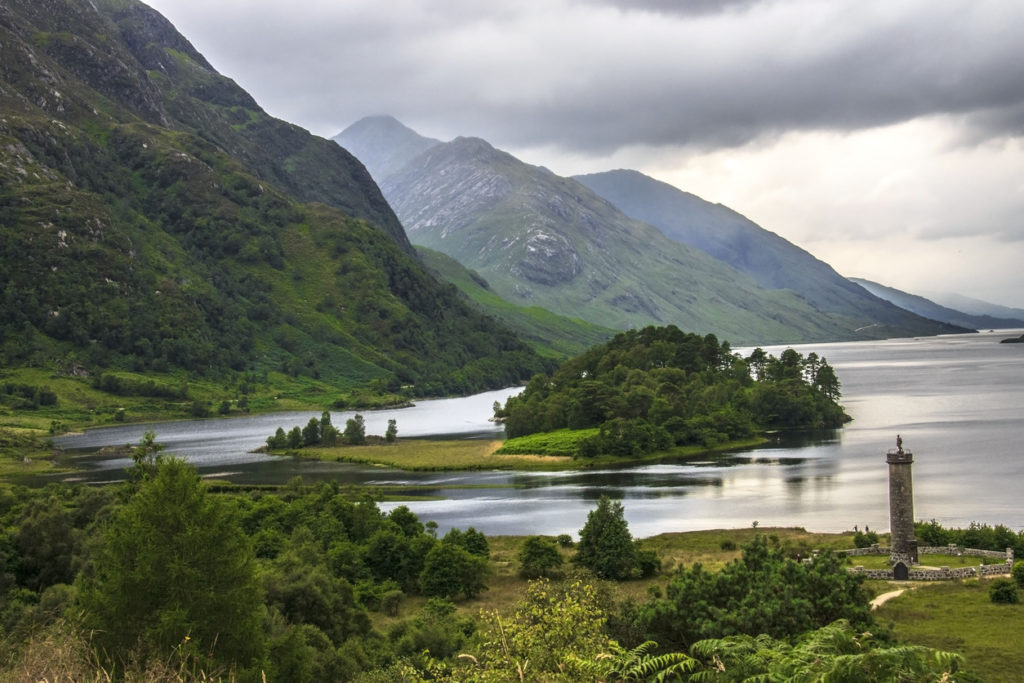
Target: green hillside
154	219
548	333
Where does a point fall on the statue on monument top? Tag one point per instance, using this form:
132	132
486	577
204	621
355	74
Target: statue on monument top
899	443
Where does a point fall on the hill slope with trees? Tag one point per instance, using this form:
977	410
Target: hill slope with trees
154	219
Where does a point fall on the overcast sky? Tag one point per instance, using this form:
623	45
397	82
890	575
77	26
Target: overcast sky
883	136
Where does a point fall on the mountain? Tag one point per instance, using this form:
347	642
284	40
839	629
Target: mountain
383	144
977	306
552	335
922	306
543	240
770	260
154	218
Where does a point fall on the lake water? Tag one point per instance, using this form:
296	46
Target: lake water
956	400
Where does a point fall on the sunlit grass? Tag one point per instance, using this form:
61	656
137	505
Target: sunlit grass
429	455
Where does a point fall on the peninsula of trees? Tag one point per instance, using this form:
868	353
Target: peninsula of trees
657	388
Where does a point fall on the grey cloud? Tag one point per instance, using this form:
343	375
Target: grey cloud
702	74
682	7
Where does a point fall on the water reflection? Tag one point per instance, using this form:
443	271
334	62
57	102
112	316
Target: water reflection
955	400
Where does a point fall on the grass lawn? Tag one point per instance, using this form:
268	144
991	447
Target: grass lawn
958	616
926	561
428	455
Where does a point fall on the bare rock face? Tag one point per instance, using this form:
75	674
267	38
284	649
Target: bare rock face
548	259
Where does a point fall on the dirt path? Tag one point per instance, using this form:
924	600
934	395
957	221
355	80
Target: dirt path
885	597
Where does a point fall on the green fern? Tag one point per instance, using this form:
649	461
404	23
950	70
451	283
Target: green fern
638	665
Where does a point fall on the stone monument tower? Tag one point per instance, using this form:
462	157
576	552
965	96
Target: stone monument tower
901	505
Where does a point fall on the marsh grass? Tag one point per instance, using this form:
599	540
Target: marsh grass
60	653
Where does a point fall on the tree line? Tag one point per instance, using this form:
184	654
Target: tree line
322	432
652	389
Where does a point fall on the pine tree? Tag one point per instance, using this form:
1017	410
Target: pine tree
606	546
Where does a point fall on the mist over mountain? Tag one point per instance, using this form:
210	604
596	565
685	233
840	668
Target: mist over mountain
544	240
976	306
154	218
772	261
926	307
383	144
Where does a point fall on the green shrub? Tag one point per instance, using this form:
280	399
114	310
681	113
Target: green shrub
539	556
1018	572
1004	592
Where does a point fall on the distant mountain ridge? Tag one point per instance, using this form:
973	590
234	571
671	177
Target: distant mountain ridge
975	306
540	239
923	306
772	261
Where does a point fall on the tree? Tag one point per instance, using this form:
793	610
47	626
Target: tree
472	541
145	457
311	432
328	432
278	441
826	380
606	546
548	634
391	435
764	591
539	556
175	567
355	430
450	571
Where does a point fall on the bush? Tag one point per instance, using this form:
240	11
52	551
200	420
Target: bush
1003	592
865	539
1018	572
539	556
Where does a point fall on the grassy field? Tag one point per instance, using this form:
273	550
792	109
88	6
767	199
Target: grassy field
958	616
428	455
926	561
470	454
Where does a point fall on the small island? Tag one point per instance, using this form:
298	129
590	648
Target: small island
644	395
